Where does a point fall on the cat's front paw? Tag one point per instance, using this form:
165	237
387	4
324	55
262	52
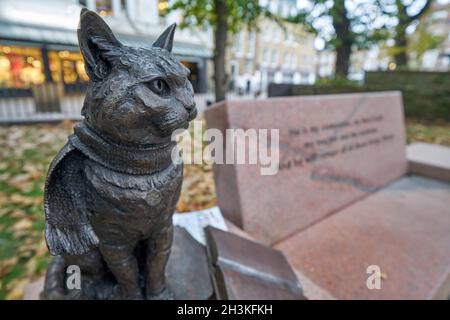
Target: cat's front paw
137	296
164	294
131	295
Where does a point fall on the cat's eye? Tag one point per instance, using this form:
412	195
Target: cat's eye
158	86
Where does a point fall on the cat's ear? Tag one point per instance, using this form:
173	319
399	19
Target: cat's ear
165	40
97	44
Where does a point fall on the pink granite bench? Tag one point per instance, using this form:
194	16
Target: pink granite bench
373	204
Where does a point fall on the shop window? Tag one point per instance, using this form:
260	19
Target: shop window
196	74
20	67
67	66
193	68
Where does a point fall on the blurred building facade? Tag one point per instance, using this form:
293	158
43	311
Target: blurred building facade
373	59
325	63
38	41
271	53
437	23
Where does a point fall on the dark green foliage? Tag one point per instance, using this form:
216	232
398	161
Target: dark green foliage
241	13
426	95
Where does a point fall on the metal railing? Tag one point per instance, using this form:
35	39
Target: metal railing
41	103
55	102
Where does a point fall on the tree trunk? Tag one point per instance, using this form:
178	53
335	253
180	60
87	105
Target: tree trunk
220	42
341	25
342	66
401	44
401	39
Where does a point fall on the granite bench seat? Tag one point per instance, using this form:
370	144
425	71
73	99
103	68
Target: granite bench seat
403	228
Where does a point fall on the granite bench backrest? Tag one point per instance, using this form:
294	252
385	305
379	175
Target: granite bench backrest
333	150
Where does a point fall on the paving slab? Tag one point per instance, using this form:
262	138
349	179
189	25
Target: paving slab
404	229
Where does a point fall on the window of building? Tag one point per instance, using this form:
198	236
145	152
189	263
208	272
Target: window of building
238	43
439	15
233	70
286	59
303	60
274	57
249	66
104	7
294	61
251	43
278	77
287	78
266	58
291	38
296	79
268	34
304	77
276	34
123	4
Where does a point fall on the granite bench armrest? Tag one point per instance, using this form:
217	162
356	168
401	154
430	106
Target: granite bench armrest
429	160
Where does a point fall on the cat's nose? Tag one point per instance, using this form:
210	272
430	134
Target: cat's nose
190	107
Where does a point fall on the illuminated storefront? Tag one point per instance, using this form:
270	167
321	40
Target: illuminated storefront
39	44
67	66
22	67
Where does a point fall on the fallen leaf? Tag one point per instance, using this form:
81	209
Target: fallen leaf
21	225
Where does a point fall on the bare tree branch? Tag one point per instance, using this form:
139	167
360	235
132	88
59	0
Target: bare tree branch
422	11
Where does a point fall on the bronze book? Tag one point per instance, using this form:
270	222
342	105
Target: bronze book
245	270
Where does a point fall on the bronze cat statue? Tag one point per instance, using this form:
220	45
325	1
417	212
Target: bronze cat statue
112	189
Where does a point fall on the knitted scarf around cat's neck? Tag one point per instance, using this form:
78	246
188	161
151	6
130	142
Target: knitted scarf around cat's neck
124	159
